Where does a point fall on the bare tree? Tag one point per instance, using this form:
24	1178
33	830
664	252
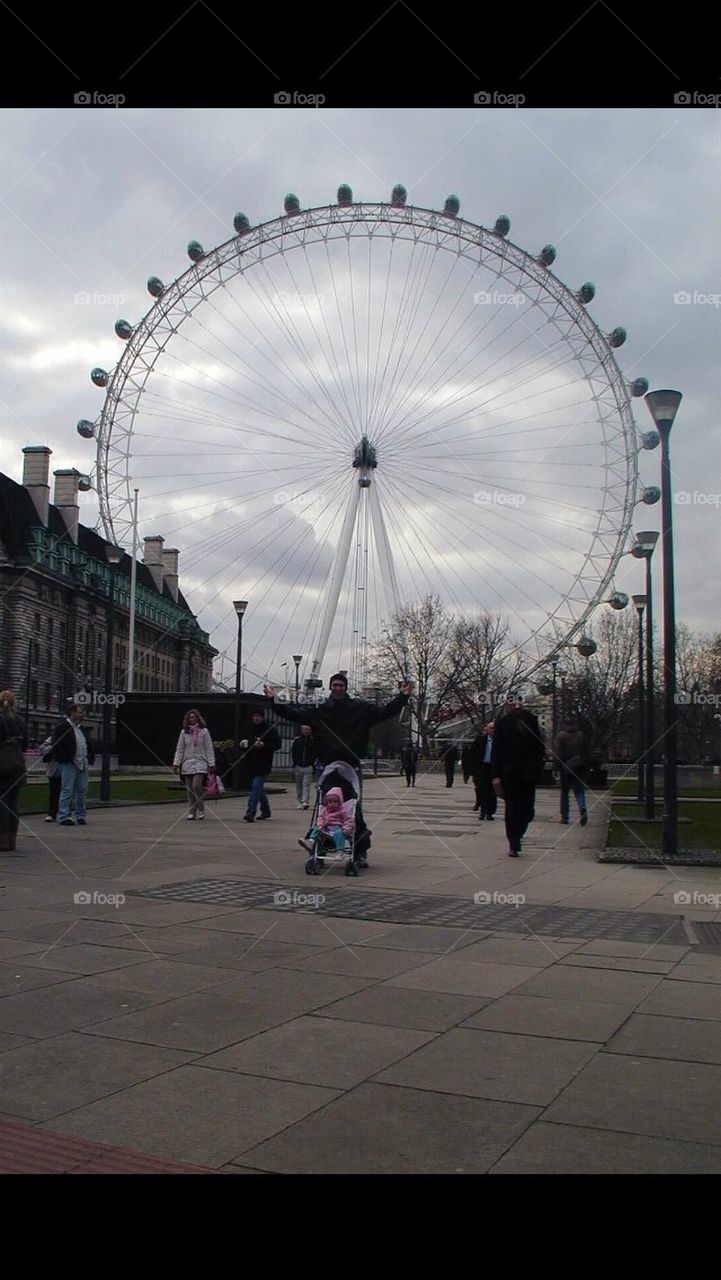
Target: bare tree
698	682
603	689
415	644
484	664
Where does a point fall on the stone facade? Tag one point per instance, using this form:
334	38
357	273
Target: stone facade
55	584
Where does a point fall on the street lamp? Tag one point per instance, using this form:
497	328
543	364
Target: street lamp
663	407
643	550
640	603
240	607
113	555
297	658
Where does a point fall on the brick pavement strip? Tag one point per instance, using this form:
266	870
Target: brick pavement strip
205	1029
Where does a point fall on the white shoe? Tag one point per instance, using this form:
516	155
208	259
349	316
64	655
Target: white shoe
190	817
301	806
49	819
200	817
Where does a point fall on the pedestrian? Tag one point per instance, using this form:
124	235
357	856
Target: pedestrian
303	753
194	759
517	757
409	760
449	756
261	746
571	753
341	726
52	773
74	755
13	745
480	766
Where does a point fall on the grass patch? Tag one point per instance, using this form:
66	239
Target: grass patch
704	831
628	787
34	798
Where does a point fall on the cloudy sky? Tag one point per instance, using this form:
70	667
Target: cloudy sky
492	459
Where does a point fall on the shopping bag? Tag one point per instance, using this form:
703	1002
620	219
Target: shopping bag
211	787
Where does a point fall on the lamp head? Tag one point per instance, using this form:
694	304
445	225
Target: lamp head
646	540
640	602
663	407
113	554
240	607
297	658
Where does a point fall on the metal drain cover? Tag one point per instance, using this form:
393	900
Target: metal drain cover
417	908
708	932
652	858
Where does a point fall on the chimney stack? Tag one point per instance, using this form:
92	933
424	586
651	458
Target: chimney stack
170	570
36	479
153	559
66	500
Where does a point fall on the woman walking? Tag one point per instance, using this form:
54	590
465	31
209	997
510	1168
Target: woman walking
194	760
13	744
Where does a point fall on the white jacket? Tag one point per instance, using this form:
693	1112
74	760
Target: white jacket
194	759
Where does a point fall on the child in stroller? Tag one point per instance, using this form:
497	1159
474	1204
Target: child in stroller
333	830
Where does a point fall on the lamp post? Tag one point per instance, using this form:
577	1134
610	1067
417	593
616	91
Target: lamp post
113	555
554	716
240	607
640	603
297	658
643	550
663	407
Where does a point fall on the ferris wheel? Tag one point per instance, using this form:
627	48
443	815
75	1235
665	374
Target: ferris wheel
346	408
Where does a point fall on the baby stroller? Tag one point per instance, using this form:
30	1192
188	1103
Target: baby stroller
341	775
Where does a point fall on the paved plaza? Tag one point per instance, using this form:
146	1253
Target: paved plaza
171	997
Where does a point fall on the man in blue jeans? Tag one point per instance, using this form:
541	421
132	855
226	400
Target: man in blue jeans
74	755
264	741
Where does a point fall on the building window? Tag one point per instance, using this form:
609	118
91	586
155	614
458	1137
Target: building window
50	626
48	697
33	693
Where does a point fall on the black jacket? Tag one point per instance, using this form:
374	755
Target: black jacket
63	745
518	750
341	725
449	754
304	751
13	732
260	759
409	756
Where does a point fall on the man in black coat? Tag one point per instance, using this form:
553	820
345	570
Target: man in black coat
341	726
74	753
264	741
409	760
516	762
449	756
480	769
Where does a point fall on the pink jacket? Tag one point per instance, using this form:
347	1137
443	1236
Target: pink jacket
343	818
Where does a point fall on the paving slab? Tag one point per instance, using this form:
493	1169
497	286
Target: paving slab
383	1129
85	958
400	1007
558	1148
684	1000
628	964
697	970
325	1051
527	950
47	1078
362	962
208	1117
639	950
163	977
679	1100
12	1042
605	985
454	974
425	937
489	1064
239	951
685	1039
48	1011
551	1018
210	1020
19	977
